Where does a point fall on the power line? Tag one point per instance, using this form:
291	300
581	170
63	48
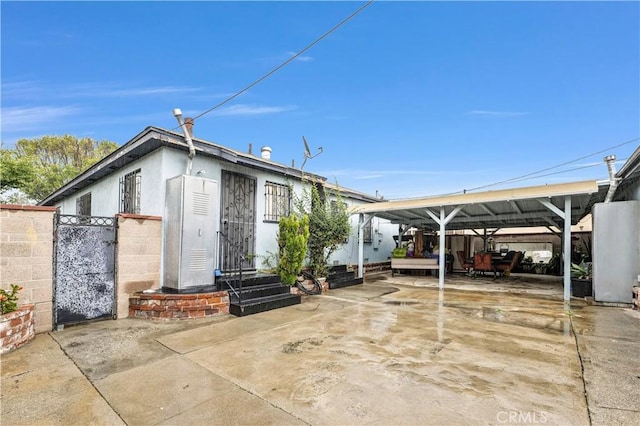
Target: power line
282	65
588	166
538	175
532	174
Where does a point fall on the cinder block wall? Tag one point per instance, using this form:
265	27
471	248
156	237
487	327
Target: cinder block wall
138	257
26	257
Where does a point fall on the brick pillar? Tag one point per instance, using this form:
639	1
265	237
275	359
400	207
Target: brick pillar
26	258
139	256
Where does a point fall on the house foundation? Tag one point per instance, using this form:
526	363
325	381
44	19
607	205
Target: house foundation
178	306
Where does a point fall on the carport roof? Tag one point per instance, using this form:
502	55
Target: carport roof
505	208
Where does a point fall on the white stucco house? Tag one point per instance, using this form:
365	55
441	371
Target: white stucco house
252	193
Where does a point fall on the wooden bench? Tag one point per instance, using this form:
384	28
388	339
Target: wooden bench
422	263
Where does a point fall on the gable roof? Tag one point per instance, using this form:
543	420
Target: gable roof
152	138
632	165
628	175
352	194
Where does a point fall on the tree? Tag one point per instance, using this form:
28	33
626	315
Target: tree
37	167
328	225
15	171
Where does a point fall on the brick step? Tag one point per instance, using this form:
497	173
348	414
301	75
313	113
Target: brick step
340	275
341	279
262	304
337	269
249	280
257	291
345	282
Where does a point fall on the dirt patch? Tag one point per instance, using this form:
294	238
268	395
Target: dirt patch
300	346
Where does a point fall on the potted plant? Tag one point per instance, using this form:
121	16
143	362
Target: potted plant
9	299
581	285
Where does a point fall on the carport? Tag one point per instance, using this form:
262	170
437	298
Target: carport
557	205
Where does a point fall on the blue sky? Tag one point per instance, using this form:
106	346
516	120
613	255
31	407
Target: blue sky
407	98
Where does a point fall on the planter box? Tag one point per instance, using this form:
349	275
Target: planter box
581	288
420	263
17	328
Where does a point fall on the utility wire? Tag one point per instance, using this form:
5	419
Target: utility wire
537	173
523	177
559	172
282	65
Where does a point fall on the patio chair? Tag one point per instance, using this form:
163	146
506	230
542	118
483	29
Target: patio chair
466	263
482	263
509	262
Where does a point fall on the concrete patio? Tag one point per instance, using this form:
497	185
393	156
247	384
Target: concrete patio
391	351
544	286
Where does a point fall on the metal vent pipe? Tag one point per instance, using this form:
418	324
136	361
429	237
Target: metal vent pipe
613	180
177	113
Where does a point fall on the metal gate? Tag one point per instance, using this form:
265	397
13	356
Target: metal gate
238	222
84	268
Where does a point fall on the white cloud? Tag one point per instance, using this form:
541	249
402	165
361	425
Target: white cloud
20	89
36	90
301	58
150	91
110	90
18	119
365	177
242	109
488	113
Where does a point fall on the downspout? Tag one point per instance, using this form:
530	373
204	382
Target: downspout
613	180
187	137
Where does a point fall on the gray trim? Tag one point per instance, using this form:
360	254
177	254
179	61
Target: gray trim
493	209
632	165
143	143
152	138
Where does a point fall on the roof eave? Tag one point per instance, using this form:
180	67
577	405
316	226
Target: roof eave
170	139
77	183
631	165
513	194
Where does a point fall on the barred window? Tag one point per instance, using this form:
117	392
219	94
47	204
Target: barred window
277	201
130	193
83	205
367	232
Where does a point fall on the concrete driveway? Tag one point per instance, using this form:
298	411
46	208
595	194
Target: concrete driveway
391	351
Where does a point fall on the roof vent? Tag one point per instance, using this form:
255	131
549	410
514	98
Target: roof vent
610	160
265	152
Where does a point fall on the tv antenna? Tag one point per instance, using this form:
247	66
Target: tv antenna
307	152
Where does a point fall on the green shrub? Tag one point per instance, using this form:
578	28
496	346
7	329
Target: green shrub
329	226
9	299
293	237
